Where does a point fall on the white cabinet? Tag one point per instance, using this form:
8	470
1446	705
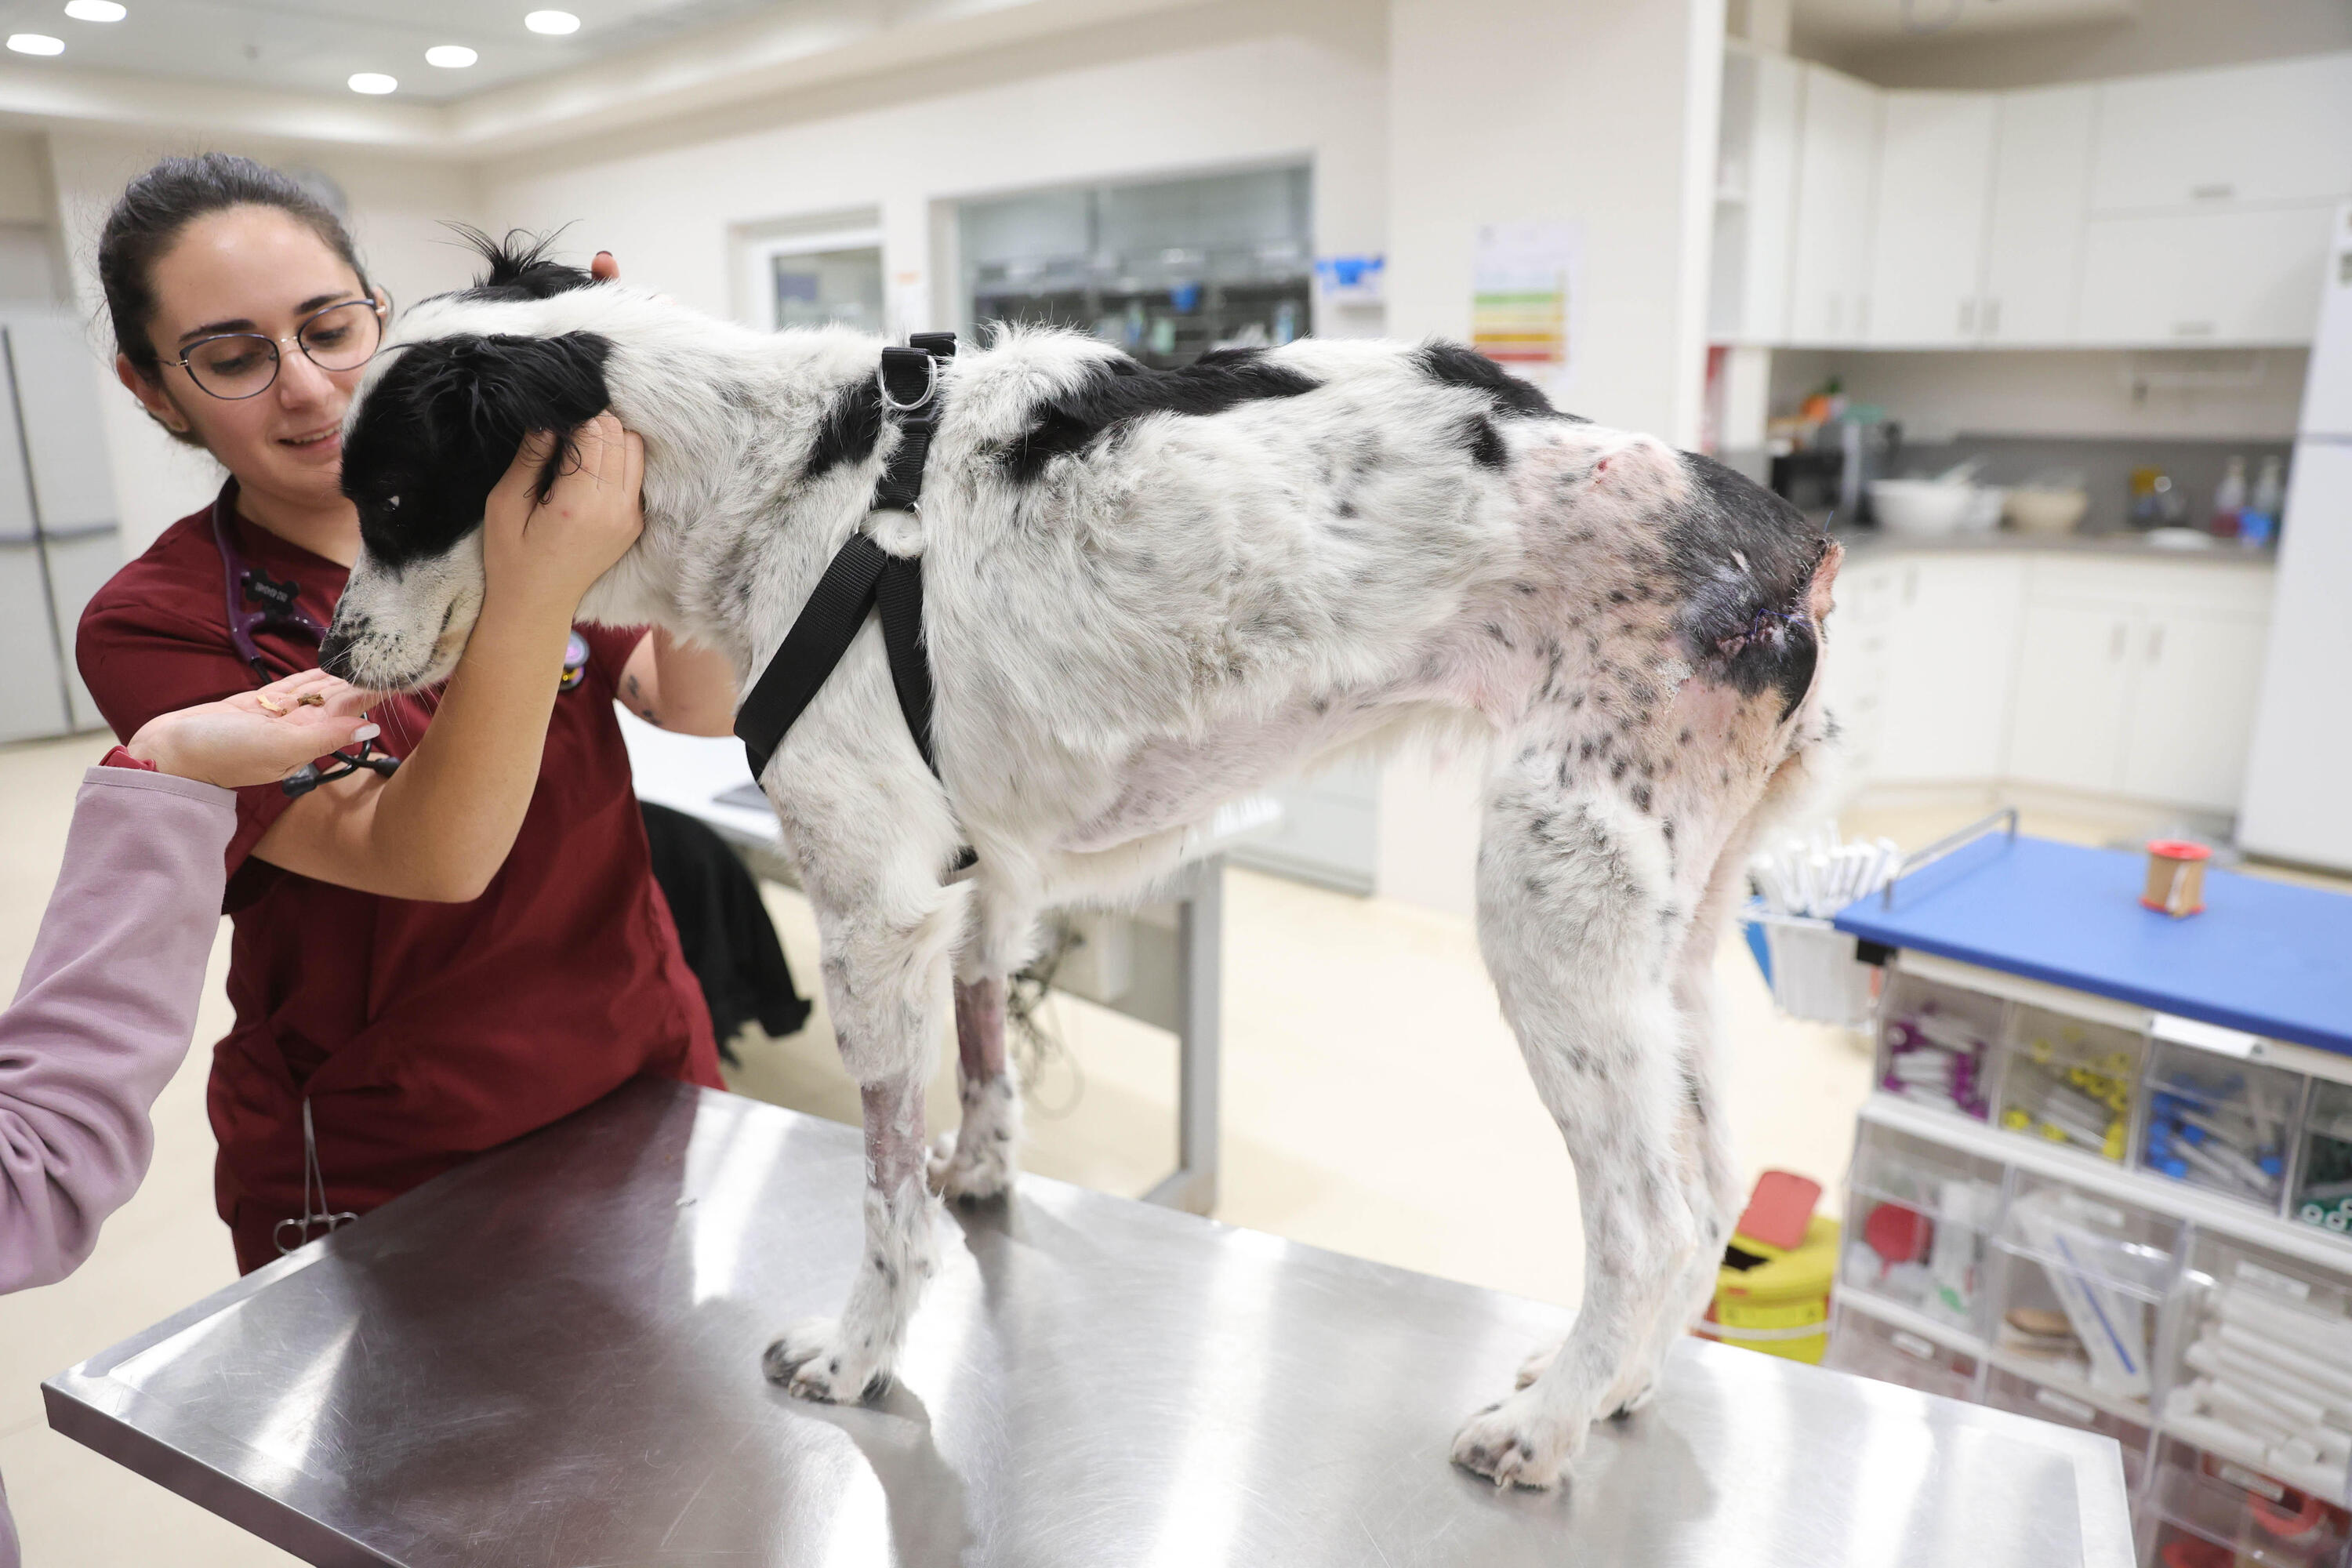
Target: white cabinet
2074	685
1951	655
2277	131
2246	276
1837	158
1853	674
1935	176
2033	229
1755	198
2139	680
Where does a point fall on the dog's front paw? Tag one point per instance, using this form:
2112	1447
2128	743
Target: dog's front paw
813	1361
1517	1444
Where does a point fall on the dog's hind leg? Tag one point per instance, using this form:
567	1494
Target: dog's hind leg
1580	921
978	1159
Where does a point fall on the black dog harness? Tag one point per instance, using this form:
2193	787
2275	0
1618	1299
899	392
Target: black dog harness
863	576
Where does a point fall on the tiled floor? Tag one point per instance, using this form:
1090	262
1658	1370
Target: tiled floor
1373	1104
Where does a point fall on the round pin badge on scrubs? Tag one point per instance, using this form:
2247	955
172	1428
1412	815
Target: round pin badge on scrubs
575	662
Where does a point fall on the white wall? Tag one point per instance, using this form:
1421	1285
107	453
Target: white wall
1217	86
397	209
1593	111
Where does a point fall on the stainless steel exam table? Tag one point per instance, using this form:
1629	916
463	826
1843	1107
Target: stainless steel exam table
549	1357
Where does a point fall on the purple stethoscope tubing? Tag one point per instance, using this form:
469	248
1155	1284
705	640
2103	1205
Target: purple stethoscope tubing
234	575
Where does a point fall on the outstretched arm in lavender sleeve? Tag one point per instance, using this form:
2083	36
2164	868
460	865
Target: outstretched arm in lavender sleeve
109	998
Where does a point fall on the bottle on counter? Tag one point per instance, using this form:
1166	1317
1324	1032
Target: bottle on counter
2229	501
2259	523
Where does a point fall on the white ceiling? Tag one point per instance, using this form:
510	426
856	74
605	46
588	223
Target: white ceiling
1887	21
314	45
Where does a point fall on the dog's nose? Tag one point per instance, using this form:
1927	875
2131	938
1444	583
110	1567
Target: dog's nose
335	652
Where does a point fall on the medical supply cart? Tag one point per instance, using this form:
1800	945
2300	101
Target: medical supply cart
2105	1178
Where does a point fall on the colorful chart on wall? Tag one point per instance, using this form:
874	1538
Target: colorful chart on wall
1525	298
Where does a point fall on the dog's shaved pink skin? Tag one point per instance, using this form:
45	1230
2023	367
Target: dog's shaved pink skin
979	1027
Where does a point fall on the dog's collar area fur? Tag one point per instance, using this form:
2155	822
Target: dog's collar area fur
864	577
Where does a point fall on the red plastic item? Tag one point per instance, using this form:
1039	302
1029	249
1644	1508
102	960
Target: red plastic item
1896	1234
1780	1209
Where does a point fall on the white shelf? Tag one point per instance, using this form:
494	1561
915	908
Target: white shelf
1894	1314
2221	1215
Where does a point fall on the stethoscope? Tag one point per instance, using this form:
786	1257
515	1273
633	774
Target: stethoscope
256	601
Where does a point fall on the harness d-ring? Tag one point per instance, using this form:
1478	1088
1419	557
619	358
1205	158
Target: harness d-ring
314	1195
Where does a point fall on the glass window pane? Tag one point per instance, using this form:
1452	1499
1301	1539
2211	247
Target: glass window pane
820	287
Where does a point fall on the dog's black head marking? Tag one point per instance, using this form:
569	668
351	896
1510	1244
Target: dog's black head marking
442	422
1745	558
1117	391
518	267
1458	364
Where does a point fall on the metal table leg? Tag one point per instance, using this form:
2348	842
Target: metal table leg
1200	996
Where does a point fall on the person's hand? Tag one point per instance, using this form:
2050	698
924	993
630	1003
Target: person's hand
256	737
544	555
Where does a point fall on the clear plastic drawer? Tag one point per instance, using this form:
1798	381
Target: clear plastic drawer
2082	1281
2216	1512
1919	1226
2322	1179
1936	1044
1865	1345
2219	1124
2070	1081
2261	1357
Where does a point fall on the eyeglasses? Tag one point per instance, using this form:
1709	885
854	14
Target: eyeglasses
236	365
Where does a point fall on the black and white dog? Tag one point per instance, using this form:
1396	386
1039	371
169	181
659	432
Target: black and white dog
1148	592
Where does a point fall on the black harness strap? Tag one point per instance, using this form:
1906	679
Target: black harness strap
863	576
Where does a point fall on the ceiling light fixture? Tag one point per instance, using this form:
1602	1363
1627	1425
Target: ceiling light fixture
450	56
36	44
371	82
554	24
95	11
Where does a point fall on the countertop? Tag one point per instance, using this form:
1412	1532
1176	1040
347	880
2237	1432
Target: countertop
1871	544
551	1355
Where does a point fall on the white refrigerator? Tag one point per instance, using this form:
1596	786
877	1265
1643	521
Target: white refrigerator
2298	798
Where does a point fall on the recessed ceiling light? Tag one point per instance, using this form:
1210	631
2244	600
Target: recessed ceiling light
554	24
450	56
371	82
95	11
36	44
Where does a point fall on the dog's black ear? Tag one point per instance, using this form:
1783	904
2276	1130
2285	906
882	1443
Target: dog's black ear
492	391
518	267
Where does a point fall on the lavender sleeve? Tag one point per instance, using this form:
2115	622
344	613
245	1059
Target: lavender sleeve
102	1017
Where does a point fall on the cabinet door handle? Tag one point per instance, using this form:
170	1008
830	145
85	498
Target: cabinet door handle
1833	311
1861	316
1991	320
1968	318
2218	191
2192	329
2116	641
2156	642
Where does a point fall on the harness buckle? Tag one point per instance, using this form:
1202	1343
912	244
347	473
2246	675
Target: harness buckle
931	385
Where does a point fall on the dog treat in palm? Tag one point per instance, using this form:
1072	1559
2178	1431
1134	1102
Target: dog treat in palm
311	699
267	706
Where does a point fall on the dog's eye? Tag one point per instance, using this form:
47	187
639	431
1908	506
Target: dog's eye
391	503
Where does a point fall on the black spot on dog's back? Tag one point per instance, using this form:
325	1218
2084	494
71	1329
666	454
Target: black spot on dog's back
1118	392
1458	364
849	430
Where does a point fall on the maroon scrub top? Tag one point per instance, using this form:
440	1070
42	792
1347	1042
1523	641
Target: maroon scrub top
420	1033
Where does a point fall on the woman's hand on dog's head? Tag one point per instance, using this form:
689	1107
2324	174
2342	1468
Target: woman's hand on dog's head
546	552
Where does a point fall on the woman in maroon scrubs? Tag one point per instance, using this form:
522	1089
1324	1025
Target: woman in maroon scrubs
427	962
